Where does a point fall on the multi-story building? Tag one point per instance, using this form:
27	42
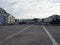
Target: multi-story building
11	19
6	18
3	17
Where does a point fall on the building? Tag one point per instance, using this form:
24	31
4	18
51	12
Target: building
11	19
31	21
3	17
2	20
37	21
26	21
6	18
16	21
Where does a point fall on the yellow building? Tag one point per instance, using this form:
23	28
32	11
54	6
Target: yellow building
11	19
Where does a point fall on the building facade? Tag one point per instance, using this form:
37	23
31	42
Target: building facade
11	19
3	17
6	18
16	21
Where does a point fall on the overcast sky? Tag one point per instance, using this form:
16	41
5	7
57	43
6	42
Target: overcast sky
31	8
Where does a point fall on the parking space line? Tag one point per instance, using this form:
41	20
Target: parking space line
15	34
50	37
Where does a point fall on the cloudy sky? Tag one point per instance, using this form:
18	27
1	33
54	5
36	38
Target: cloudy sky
31	8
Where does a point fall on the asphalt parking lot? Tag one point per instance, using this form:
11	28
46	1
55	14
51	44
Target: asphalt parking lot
29	35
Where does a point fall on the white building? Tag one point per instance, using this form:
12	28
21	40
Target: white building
11	19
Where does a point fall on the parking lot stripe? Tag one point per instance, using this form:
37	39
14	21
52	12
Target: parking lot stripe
15	34
50	37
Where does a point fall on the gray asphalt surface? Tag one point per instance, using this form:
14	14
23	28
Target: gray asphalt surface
34	35
6	31
55	32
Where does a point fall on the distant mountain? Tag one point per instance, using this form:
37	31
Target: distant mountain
53	17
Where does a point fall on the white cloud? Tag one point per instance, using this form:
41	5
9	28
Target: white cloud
31	8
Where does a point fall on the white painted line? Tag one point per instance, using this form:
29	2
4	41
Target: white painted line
15	34
50	37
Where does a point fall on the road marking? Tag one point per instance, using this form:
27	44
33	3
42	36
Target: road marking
51	37
15	34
